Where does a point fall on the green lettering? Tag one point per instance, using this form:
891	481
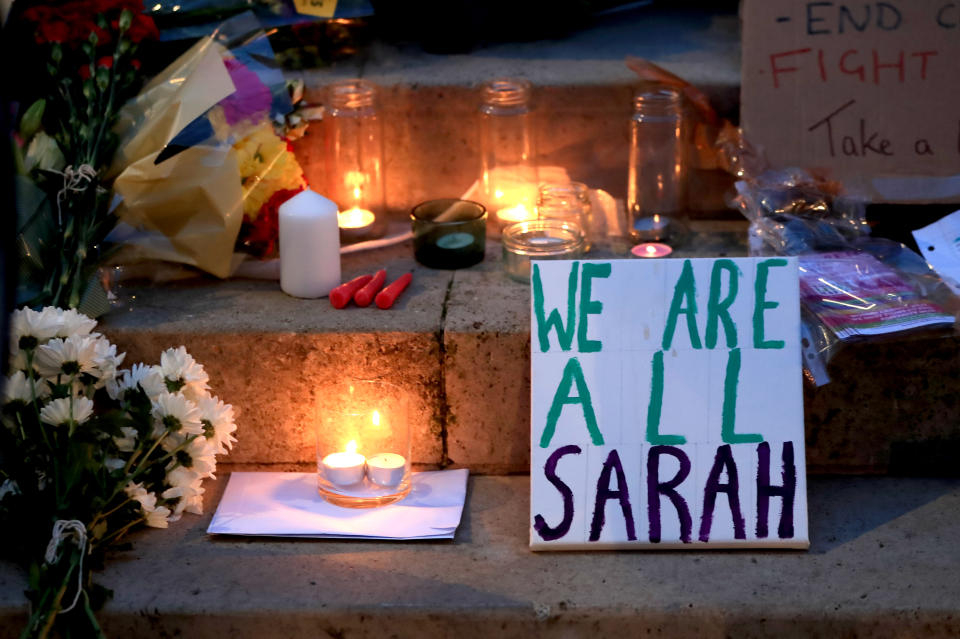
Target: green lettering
685	290
718	311
589	306
655	407
760	303
564	333
729	410
572	372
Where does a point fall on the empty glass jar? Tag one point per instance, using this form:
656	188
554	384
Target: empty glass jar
657	176
569	202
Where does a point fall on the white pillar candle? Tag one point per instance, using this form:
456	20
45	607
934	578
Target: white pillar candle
309	245
343	469
386	469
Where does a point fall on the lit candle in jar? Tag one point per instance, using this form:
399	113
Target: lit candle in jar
386	469
518	213
346	468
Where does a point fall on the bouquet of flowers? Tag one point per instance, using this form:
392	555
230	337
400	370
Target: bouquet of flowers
65	141
199	155
89	451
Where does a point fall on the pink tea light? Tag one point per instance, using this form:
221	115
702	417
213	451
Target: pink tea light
651	249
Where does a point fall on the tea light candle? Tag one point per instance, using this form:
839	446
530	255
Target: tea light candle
346	468
518	213
355	219
309	245
386	469
651	249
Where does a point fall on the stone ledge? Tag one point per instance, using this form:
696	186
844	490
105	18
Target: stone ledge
882	563
582	101
459	341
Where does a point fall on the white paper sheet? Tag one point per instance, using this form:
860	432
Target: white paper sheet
940	245
288	505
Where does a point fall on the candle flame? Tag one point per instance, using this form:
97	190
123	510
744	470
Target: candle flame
651	250
376	418
656	218
356	192
352	446
498	194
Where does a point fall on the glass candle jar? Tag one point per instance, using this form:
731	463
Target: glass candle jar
657	174
507	152
569	202
539	240
353	154
363	444
449	233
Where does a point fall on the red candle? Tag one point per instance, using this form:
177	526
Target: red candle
340	296
365	295
389	295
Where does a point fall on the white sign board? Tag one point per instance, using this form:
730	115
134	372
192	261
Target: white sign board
667	407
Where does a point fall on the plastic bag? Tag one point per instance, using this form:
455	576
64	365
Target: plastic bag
853	287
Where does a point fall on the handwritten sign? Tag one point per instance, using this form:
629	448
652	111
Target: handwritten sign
866	90
667	406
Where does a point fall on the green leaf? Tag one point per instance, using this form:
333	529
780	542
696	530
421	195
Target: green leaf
32	118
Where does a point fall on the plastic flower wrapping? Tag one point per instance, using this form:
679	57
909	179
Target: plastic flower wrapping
200	154
95	450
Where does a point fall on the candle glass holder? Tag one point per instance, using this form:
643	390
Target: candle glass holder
568	202
363	444
656	185
449	233
353	157
539	240
508	169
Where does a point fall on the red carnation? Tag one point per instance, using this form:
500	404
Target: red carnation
260	236
142	28
105	62
52	31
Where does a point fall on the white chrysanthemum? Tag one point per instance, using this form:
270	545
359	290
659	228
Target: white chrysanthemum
156	516
148	378
184	373
67	410
41	325
105	359
73	322
16	388
71	356
218	423
9	487
185	486
175	412
127	443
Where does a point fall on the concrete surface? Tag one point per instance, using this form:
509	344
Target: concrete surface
582	101
882	563
458	341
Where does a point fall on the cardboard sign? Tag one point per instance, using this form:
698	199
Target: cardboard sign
866	90
667	406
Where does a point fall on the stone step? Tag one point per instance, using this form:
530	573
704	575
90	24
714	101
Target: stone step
882	563
458	342
581	103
